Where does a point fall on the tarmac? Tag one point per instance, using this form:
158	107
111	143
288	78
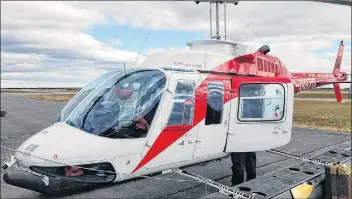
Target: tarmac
26	117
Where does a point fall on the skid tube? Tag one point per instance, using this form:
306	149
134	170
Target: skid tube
302	158
228	190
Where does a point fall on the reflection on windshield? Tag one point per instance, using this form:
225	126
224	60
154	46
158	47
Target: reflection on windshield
82	94
123	106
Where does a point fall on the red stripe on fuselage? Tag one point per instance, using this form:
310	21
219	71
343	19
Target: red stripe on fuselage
169	135
164	140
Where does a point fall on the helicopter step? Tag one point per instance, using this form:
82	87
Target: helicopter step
319	176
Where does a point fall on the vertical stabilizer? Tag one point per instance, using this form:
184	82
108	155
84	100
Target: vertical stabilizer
336	72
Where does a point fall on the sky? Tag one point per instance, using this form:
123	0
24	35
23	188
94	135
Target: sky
69	43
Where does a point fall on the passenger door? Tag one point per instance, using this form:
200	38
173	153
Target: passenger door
213	129
176	142
262	116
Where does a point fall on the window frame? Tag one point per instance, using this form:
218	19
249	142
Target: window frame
222	105
173	101
247	120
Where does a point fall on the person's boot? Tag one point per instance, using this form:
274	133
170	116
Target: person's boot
251	175
237	178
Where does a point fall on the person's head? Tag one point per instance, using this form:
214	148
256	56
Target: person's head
252	90
124	90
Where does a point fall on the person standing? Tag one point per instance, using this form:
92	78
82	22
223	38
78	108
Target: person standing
246	162
243	162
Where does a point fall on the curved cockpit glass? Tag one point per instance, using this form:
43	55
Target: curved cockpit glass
117	105
82	94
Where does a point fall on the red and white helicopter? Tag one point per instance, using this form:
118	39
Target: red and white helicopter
181	108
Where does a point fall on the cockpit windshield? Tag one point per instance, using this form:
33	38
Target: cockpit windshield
82	94
121	104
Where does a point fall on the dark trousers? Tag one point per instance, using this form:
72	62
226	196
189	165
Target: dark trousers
243	162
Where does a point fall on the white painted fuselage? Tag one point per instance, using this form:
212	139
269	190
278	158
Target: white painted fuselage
199	116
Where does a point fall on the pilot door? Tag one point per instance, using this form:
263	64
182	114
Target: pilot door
176	141
261	116
213	128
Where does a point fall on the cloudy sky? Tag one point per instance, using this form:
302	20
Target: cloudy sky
71	43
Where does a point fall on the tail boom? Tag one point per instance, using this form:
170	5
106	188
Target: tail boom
304	81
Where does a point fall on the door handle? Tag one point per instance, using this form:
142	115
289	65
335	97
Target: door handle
181	143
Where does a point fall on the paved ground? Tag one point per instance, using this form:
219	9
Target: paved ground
27	116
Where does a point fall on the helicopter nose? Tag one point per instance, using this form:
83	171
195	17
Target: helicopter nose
63	144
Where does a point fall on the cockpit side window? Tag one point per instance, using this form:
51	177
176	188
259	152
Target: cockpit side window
183	104
215	103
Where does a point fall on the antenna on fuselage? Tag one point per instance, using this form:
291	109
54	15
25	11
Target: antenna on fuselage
217	20
142	47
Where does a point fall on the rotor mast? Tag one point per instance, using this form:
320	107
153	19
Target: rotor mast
217	18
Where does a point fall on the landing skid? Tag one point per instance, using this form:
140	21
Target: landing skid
222	188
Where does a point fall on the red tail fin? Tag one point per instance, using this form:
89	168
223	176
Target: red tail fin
338	59
338	93
336	72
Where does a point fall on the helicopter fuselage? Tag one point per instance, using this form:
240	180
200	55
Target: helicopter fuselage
200	116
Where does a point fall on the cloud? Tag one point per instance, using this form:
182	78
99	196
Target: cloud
246	21
297	54
47	41
115	41
150	51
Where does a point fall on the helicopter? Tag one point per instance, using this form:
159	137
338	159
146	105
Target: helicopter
181	108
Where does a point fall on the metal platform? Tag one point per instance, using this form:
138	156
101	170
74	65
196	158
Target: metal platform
278	184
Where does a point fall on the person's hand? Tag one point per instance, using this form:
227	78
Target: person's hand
142	123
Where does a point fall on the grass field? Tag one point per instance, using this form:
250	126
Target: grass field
36	90
321	95
52	97
15	91
312	114
323	115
